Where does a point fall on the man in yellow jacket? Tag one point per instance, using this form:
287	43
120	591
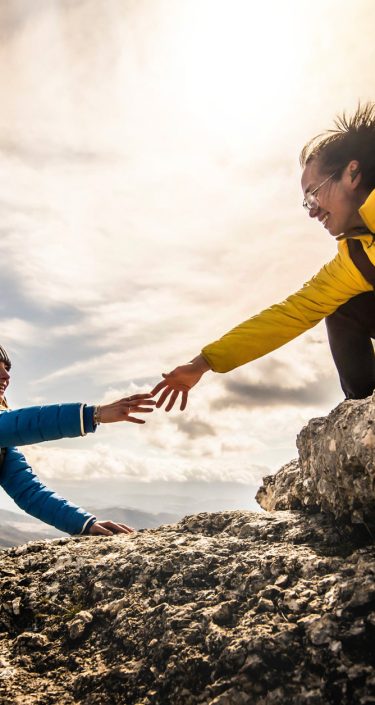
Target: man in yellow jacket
338	183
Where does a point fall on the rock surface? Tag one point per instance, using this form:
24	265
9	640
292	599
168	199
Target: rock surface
233	608
335	472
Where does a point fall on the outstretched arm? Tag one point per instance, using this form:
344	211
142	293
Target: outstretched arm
30	494
35	424
335	283
180	381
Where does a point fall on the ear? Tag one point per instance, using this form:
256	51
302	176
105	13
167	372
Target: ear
353	174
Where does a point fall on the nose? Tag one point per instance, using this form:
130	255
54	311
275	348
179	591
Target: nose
4	375
313	212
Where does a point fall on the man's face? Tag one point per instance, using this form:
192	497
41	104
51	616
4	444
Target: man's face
337	200
4	380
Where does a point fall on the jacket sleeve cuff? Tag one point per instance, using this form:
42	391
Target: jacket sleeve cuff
87	525
87	420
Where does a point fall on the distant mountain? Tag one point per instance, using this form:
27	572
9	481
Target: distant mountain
16	529
135	518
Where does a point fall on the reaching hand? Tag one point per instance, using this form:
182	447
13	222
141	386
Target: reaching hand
120	410
180	381
108	528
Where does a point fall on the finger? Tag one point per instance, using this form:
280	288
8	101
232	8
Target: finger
136	402
173	383
164	396
147	402
168	375
101	530
119	529
143	409
158	387
131	529
172	400
184	400
137	397
115	528
134	420
123	529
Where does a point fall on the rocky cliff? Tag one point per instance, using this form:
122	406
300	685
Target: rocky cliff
232	608
335	471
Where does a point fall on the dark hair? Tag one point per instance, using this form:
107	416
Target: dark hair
353	138
4	357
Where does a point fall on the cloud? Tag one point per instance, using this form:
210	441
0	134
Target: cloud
14	16
17	332
299	374
101	462
261	394
194	427
45	152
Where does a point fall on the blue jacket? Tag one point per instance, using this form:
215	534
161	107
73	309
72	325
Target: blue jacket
33	425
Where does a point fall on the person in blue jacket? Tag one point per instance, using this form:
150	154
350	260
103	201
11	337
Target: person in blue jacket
35	424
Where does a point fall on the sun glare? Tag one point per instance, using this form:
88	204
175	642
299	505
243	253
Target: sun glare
235	61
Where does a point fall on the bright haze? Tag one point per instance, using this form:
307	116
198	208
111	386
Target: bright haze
150	200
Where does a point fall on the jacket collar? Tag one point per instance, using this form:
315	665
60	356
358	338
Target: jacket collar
367	211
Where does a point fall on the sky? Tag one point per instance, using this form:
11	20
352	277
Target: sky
150	200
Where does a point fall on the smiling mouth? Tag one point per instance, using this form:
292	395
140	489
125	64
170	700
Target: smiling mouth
324	220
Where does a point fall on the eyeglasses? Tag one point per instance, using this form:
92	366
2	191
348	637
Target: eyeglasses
311	202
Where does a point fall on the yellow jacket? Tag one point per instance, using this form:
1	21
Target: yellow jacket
337	282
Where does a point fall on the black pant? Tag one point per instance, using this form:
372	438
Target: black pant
350	330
